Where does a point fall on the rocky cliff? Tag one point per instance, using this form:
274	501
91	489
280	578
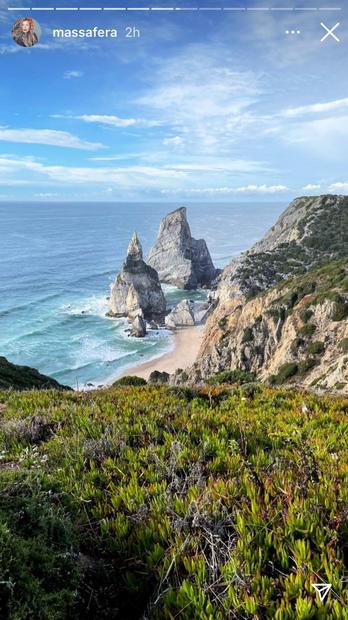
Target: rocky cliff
281	308
17	377
137	289
178	258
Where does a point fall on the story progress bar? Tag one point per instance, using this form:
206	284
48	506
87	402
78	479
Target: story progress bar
176	9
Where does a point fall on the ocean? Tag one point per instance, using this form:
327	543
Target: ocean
57	261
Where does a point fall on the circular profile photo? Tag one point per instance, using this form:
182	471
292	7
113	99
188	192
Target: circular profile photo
26	32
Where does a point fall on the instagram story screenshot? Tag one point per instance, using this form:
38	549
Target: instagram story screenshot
173	310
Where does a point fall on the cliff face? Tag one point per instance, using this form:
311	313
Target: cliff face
295	330
178	258
310	232
137	289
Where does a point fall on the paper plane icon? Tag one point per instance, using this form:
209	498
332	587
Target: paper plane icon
323	590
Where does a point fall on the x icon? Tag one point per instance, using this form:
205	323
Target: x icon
330	32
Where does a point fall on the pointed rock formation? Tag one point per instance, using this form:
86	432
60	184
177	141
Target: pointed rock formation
137	289
138	327
177	257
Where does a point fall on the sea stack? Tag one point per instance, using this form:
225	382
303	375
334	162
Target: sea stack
137	290
178	258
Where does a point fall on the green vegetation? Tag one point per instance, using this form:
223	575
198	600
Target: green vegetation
157	377
248	335
130	380
171	503
223	322
327	282
285	372
290	370
296	345
307	329
306	315
236	376
24	378
343	345
316	347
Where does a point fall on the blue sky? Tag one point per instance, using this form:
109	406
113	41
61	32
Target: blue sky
203	106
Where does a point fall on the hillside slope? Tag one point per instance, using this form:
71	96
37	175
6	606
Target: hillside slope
285	302
165	503
13	376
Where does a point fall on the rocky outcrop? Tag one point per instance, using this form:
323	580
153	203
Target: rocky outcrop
259	323
17	377
137	289
179	259
309	232
294	333
138	327
187	313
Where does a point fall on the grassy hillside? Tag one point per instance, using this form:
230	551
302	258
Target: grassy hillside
17	377
147	502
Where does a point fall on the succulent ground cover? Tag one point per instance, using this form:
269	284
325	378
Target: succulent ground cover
160	502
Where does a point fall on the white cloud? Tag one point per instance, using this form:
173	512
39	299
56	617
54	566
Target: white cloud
222	166
46	195
175	141
311	186
263	189
322	137
317	108
9	49
111	120
68	75
207	104
26	170
253	189
49	137
339	187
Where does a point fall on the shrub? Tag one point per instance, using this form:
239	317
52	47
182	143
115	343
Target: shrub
307	330
340	311
316	347
130	380
285	372
157	377
296	344
343	345
222	322
232	376
248	335
306	365
305	315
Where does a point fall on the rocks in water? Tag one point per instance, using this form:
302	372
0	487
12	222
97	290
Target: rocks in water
138	327
137	289
17	377
178	258
187	313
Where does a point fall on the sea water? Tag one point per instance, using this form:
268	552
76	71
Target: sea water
57	261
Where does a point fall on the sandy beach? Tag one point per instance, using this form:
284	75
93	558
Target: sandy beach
187	344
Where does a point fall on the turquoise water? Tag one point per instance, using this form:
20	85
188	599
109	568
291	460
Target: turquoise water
57	262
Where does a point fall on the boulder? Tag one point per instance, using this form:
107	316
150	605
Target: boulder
187	313
181	315
200	310
178	258
138	327
137	289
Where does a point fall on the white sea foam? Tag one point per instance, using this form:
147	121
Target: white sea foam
95	305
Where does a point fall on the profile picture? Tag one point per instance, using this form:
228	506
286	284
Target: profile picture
26	32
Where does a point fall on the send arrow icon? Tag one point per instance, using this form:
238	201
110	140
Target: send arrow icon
323	590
